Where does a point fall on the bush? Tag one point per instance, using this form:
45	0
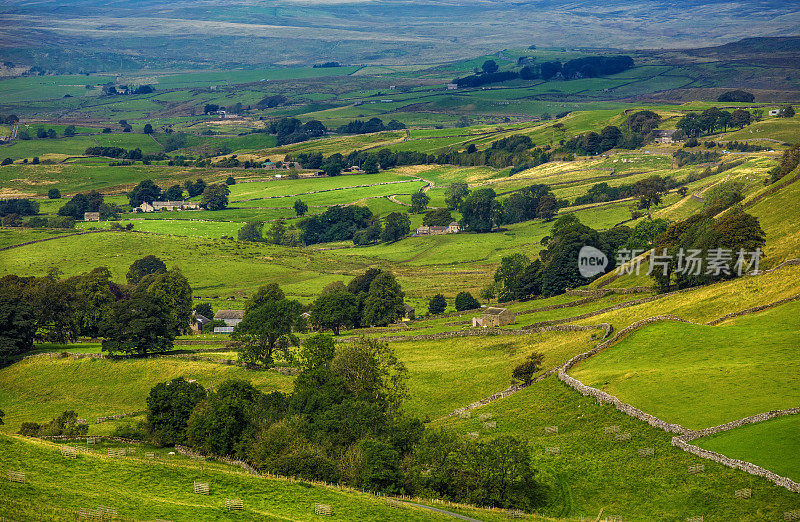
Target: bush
54	193
437	304
524	372
465	301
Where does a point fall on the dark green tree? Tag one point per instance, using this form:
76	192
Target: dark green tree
267	326
148	129
455	194
440	217
54	193
384	301
437	304
145	266
230	180
251	231
300	208
525	371
419	202
17	317
173	288
489	67
395	226
465	301
479	210
174	193
335	310
139	325
215	197
169	406
145	191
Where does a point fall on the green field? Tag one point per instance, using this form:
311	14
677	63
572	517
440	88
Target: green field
702	376
772	444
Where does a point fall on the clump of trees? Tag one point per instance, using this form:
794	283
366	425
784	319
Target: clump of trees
343	423
89	202
556	270
737	95
292	130
139	317
369	126
19	207
789	161
65	424
707	237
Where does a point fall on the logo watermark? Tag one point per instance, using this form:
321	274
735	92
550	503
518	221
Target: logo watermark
716	261
591	262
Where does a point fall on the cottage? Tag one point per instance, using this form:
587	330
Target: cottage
198	322
91	216
496	316
664	136
453	228
452	86
435	230
410	312
145	207
175	205
231	317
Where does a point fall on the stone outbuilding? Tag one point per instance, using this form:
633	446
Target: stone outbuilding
231	317
496	316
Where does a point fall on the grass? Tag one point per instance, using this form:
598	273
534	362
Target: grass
594	473
143	489
702	376
772	444
40	388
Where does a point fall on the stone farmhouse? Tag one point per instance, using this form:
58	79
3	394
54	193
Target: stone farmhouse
664	136
452	228
158	206
91	216
231	319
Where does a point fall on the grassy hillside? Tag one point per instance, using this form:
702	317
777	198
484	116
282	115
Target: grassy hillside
142	489
702	376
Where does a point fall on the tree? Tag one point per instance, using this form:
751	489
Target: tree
277	232
69	131
395	226
54	193
204	309
139	325
454	194
437	304
251	231
17	317
143	267
230	181
384	301
267	326
508	274
465	301
740	118
489	292
478	210
169	406
489	67
737	95
174	193
81	203
215	197
145	192
317	351
787	112
300	208
148	129
649	191
524	372
196	188
95	294
334	310
440	217
419	202
173	288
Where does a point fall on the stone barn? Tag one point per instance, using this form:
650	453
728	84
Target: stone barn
231	317
496	316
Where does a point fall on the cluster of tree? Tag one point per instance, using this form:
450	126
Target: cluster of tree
743	146
787	111
702	233
440	217
684	157
19	206
272	101
326	65
141	316
637	129
343	423
648	190
588	67
51	222
481	211
737	95
370	299
557	269
65	425
278	234
697	124
115	152
789	161
11	119
292	130
337	223
369	126
464	301
215	196
90	202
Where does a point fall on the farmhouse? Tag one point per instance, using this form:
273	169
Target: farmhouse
494	316
452	228
664	136
157	206
410	312
231	317
91	216
198	322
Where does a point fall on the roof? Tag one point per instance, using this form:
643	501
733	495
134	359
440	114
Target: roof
494	310
229	314
201	319
454	223
408	308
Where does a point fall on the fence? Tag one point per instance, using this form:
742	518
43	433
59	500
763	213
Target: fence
323	509
202	488
234	504
551	430
16	476
69	452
